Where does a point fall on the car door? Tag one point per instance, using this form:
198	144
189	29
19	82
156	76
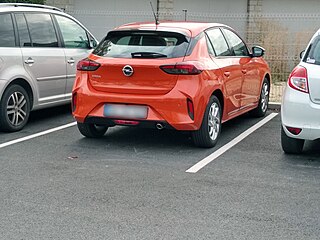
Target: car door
43	58
77	43
230	67
250	87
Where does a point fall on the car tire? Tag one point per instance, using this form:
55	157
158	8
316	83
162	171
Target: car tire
208	134
262	107
91	130
291	145
14	109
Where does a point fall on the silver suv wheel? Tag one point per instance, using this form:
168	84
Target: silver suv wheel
14	109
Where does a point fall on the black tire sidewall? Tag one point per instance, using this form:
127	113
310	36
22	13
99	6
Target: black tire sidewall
5	124
201	137
258	112
291	145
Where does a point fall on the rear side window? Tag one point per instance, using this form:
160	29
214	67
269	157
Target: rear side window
74	36
218	42
313	53
24	36
6	31
143	44
41	29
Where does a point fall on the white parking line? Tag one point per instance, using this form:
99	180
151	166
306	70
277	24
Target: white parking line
195	168
2	145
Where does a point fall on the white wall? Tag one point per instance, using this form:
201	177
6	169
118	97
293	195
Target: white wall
102	16
290	6
230	12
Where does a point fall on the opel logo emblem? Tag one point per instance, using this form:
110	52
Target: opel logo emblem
127	70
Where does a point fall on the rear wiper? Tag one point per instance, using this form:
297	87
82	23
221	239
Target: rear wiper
147	55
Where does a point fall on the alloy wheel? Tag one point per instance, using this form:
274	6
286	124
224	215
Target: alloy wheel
17	108
214	121
264	97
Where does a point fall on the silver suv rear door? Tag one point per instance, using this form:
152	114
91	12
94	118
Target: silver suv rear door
76	42
43	59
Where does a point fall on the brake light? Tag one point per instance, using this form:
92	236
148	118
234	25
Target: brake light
298	79
87	65
181	68
294	131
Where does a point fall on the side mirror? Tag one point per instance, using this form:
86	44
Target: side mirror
302	54
257	51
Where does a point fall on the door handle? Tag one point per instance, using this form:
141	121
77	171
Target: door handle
29	61
227	74
244	71
71	61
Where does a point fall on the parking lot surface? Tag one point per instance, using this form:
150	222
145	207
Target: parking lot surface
133	184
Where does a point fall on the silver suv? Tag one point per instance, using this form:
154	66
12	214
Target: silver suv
39	49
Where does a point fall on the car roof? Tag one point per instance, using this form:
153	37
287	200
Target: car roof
193	28
25	7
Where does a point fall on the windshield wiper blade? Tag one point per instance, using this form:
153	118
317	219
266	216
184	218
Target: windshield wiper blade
148	55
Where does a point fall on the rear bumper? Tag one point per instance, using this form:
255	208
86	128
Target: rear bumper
141	123
298	111
169	109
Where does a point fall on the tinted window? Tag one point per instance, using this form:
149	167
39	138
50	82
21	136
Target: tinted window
236	43
6	31
24	36
74	36
313	53
218	42
41	30
143	44
210	48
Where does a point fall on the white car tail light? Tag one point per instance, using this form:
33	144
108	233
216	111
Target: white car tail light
298	79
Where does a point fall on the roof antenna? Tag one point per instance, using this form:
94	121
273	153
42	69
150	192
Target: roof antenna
154	14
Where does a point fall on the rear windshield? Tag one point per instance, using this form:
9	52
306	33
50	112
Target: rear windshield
143	44
313	53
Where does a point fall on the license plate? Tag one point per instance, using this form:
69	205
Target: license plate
125	111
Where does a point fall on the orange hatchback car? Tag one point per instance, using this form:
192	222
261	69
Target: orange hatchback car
186	76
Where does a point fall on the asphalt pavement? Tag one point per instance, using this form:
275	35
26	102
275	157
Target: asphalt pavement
133	184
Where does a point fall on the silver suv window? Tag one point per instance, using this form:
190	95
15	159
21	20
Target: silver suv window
73	35
24	37
6	31
42	31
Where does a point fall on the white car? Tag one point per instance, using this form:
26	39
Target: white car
300	109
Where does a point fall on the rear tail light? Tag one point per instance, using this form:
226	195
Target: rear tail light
190	109
87	65
294	131
182	68
298	79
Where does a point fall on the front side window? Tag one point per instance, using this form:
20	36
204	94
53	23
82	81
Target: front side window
6	31
236	43
313	53
143	44
218	42
41	29
74	36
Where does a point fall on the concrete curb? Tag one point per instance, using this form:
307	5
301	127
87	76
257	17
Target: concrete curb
274	106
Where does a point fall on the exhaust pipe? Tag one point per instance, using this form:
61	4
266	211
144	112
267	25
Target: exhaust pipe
159	126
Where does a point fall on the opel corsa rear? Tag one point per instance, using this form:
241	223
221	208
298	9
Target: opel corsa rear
177	75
